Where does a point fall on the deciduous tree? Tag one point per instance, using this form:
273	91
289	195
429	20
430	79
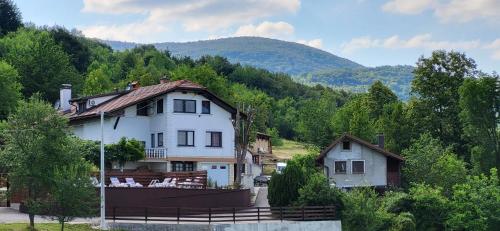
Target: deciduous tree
480	108
436	83
10	89
36	143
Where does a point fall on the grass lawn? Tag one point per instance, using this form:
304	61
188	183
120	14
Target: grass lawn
45	227
288	149
283	153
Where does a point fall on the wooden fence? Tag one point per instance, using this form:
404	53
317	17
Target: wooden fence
222	215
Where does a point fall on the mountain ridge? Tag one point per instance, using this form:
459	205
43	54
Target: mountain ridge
288	57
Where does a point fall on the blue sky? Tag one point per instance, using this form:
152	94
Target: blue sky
370	32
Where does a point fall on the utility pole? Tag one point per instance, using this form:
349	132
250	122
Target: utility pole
103	204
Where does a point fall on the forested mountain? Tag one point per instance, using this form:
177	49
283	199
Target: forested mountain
271	54
397	78
306	64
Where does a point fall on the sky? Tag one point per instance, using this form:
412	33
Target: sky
369	32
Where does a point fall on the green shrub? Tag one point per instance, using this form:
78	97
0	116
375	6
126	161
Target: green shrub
284	188
403	222
362	211
429	206
396	202
475	204
317	192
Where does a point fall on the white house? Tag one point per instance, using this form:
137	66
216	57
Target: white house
183	126
351	162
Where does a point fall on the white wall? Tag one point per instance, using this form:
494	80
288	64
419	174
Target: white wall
219	120
375	166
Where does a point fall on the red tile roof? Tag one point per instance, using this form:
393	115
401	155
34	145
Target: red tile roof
346	136
141	94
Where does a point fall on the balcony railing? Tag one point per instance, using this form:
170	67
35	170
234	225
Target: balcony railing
155	153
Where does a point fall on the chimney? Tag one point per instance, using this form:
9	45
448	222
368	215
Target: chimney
135	85
381	140
65	97
164	79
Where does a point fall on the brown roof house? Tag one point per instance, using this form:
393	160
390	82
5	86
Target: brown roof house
183	126
352	162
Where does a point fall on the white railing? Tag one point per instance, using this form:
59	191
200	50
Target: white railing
155	153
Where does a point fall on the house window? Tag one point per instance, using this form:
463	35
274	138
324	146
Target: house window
142	109
214	139
159	106
184	106
346	145
255	159
152	140
160	139
185	138
82	106
205	107
179	166
358	166
340	167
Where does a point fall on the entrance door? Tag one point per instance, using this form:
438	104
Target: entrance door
218	173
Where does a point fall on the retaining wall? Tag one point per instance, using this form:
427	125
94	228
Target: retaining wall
271	226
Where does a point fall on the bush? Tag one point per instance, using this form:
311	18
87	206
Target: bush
317	192
475	204
284	188
396	202
403	222
429	206
362	211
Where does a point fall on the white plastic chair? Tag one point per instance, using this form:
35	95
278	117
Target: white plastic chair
153	183
116	183
130	181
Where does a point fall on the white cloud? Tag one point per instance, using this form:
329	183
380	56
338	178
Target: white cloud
133	32
193	15
266	29
448	10
422	41
359	43
316	43
494	47
407	6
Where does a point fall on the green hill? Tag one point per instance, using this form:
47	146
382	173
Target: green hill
305	64
398	78
271	54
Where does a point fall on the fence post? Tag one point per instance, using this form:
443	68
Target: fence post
146	214
209	215
258	214
234	215
303	213
178	214
281	213
114	214
324	213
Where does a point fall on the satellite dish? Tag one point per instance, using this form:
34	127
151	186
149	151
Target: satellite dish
92	103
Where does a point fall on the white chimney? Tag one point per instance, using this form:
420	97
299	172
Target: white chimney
64	97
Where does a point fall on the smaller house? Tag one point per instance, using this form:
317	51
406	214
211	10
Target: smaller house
258	151
352	162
